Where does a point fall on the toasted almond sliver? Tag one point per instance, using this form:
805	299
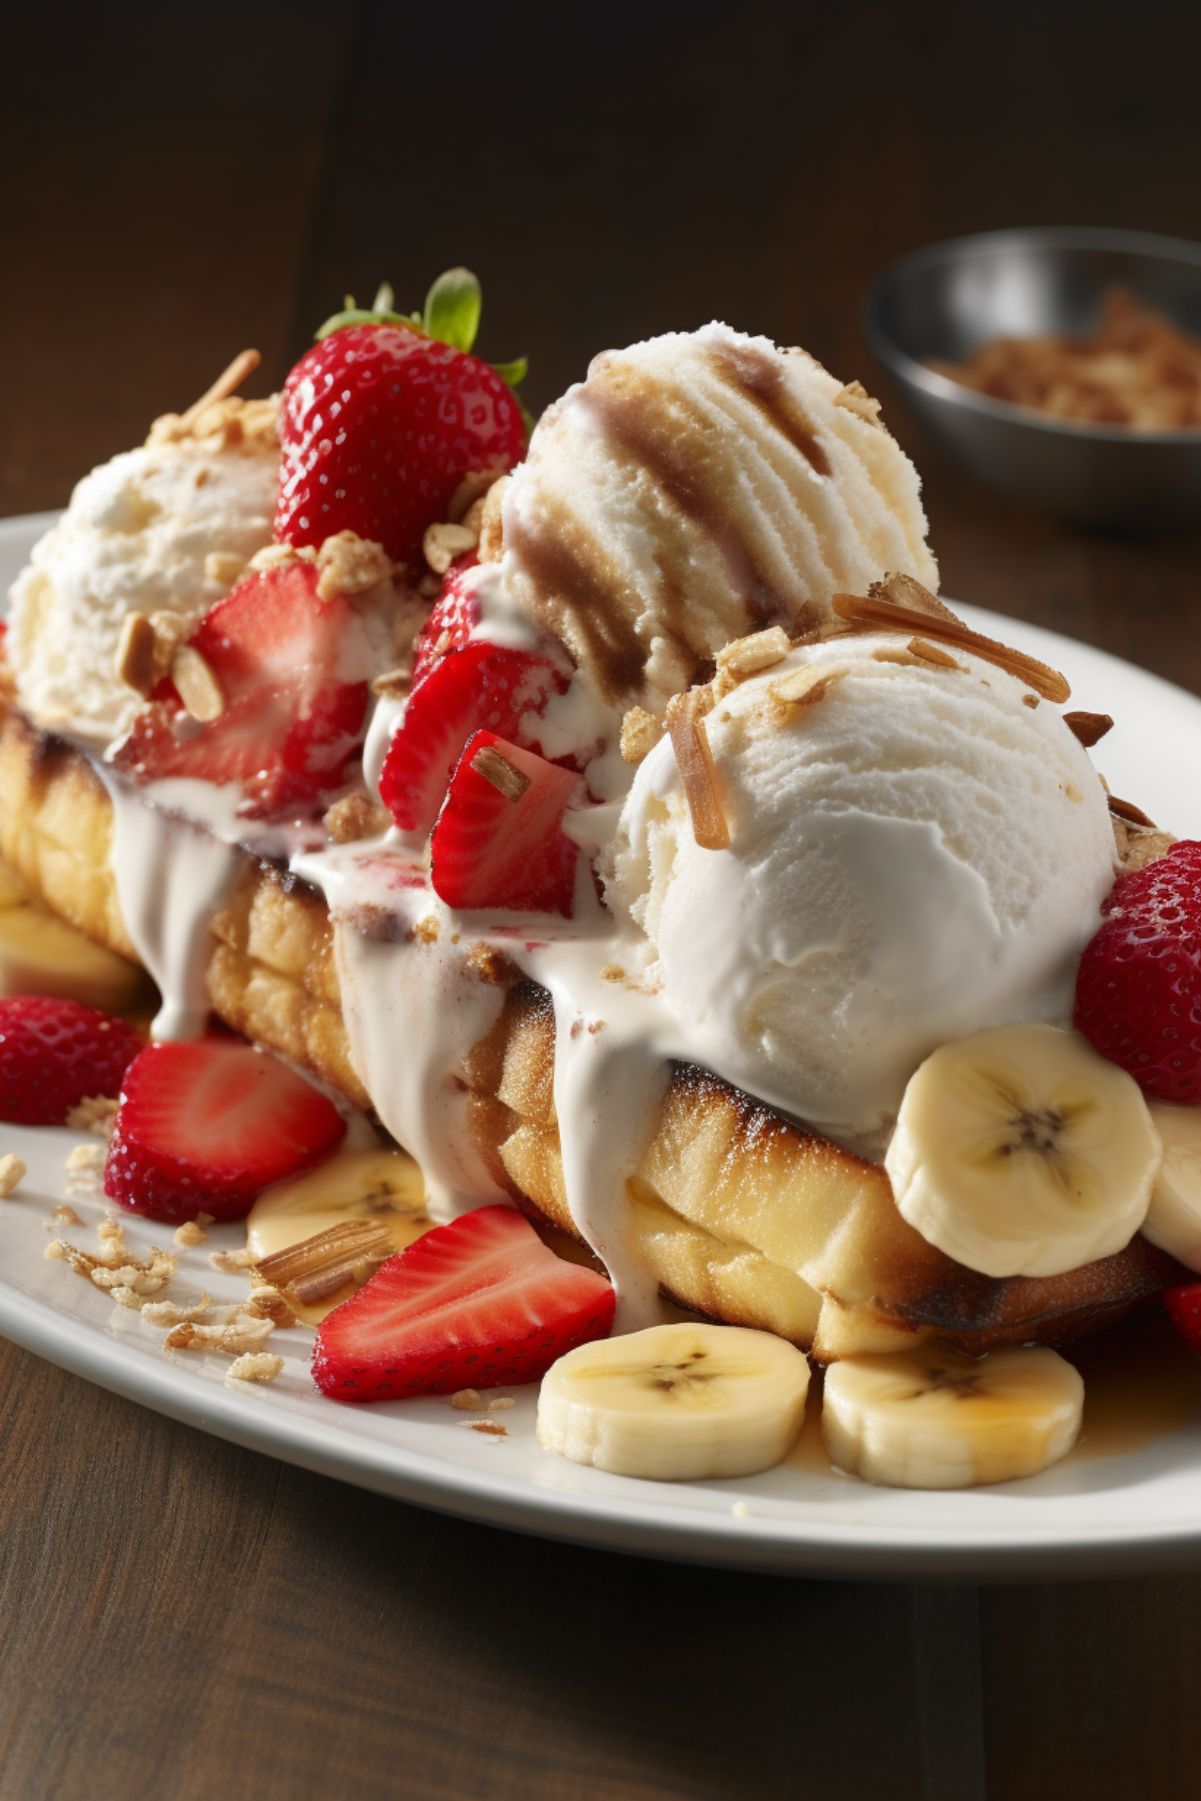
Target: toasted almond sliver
885	615
228	382
137	665
504	776
932	653
199	689
804	687
1090	728
1126	809
320	1265
746	656
694	759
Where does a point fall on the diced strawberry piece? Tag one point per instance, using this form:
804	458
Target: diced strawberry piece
480	1303
1138	989
455	612
1184	1311
206	1126
55	1053
379	425
480	685
291	724
499	840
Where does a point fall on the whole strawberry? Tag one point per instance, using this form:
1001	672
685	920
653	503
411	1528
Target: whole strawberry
385	415
1138	991
55	1053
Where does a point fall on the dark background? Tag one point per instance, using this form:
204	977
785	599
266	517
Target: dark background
181	1618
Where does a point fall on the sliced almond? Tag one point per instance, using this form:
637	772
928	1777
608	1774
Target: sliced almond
802	688
874	612
932	653
504	776
694	759
1089	728
1126	809
906	591
137	664
199	689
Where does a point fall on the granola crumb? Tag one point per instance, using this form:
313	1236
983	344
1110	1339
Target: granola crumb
169	1313
55	1252
268	1303
490	1428
501	1403
443	543
467	1400
84	1168
612	972
232	1262
348	564
1143	848
640	732
1030	700
65	1215
354	817
190	1233
740	1510
12	1173
111	1231
760	650
241	1332
95	1113
224	567
255	1366
427	929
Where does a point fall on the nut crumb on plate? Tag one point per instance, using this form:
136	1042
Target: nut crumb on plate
255	1366
467	1400
95	1113
12	1172
190	1233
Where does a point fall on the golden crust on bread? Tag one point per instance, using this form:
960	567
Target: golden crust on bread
737	1211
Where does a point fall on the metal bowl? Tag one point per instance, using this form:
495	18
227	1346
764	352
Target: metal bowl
944	301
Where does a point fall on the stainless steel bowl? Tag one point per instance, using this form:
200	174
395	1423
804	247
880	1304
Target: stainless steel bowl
946	300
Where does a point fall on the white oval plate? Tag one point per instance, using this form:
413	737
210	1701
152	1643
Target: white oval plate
1110	1515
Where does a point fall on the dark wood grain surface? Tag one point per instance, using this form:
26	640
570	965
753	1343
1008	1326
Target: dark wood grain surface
181	1618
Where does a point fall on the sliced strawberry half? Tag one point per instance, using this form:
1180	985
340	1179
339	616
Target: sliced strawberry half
55	1053
480	685
206	1126
476	1304
499	840
291	724
1184	1311
454	615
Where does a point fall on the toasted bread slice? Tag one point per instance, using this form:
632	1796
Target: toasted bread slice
738	1211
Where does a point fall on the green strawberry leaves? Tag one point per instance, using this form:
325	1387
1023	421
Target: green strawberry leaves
451	314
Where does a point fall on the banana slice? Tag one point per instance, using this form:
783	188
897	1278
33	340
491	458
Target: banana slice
1021	1152
1173	1219
40	954
934	1418
382	1185
676	1403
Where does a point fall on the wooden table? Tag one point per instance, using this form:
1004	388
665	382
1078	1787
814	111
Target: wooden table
181	1618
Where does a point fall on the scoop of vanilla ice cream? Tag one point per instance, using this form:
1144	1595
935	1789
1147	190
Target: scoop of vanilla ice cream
160	529
914	856
696	487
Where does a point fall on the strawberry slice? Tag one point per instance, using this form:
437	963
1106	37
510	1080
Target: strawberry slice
480	685
1184	1311
455	612
206	1126
291	724
55	1053
476	1304
498	841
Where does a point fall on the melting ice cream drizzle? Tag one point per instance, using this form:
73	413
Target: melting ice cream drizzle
413	1006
